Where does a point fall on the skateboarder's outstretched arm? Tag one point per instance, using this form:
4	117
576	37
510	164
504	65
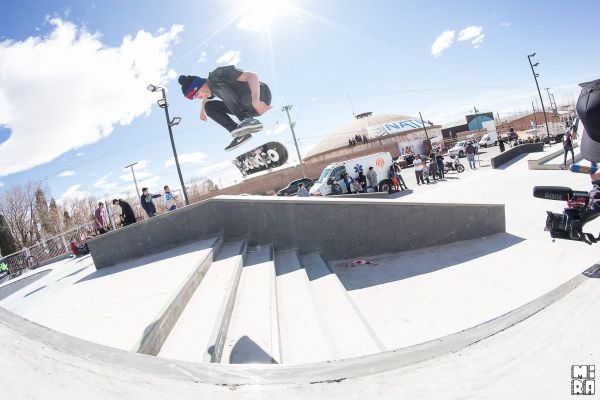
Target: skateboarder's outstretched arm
202	111
252	79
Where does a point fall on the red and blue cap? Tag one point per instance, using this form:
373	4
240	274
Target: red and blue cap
190	85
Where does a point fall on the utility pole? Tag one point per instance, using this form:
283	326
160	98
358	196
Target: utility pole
551	99
426	135
134	180
535	76
292	124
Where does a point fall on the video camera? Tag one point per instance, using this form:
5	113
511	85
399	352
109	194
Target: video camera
569	224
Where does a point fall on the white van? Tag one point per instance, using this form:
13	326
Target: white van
489	139
331	179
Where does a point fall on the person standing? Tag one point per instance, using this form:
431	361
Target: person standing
372	179
240	93
568	147
302	191
99	219
398	172
470	149
418	164
433	167
501	143
147	203
362	179
348	180
169	199
439	159
127	214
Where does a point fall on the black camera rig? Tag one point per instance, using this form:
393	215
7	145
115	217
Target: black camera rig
569	224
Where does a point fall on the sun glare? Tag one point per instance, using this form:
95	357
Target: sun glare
257	15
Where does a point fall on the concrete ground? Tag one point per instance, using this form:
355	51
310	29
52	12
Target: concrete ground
112	306
421	295
406	299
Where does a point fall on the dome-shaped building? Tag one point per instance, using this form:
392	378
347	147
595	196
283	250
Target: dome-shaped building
399	134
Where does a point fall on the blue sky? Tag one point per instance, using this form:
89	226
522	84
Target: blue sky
74	109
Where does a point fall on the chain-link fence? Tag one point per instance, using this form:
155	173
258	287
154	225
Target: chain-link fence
50	248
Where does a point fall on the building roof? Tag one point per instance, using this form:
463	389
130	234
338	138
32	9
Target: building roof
339	137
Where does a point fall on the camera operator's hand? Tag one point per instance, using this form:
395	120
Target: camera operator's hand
596	176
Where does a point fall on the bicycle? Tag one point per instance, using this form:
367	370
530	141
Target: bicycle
19	262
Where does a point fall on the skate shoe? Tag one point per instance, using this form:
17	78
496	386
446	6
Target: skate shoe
237	141
248	125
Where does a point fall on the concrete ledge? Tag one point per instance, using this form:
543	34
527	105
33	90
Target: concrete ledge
155	335
512	153
541	163
42	351
370	195
308	224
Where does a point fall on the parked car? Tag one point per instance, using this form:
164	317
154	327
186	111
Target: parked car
292	188
405	161
459	148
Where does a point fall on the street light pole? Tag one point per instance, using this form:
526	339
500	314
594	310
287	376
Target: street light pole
535	76
163	104
134	180
292	124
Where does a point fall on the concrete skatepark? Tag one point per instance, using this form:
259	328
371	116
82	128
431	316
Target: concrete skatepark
251	298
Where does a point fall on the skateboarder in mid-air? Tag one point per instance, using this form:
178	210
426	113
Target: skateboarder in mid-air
240	93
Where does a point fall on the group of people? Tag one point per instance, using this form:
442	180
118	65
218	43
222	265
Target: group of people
127	215
357	139
359	184
432	167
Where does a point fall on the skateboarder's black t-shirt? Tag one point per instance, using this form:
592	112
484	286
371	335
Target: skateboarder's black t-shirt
228	76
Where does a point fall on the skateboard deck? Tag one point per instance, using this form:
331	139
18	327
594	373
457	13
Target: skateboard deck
264	157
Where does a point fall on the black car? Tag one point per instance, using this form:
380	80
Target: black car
292	188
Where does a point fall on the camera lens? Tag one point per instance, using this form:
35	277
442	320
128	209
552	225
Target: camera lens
556	222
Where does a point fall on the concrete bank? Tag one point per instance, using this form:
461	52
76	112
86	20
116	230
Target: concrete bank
337	228
514	152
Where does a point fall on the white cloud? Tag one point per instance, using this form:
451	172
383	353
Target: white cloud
66	173
477	41
68	89
278	129
187	158
469	33
142	164
443	41
72	194
217	167
203	57
79	154
104	184
1	184
150	182
231	57
139	174
505	23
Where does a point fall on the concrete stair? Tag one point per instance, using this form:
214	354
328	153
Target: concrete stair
257	306
253	334
199	328
302	339
346	330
